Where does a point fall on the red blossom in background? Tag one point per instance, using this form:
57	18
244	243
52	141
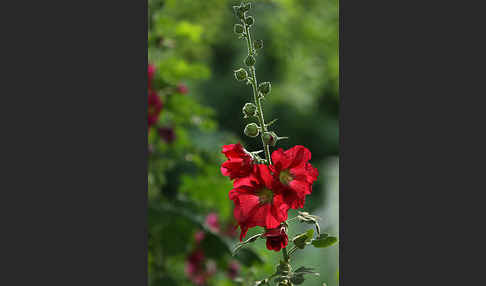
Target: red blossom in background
239	163
182	88
293	172
198	269
276	238
154	107
199	236
167	133
154	102
151	72
258	200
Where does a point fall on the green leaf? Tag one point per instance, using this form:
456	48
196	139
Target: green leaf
302	239
214	246
324	240
304	269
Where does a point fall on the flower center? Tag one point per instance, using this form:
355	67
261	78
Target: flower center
286	177
265	196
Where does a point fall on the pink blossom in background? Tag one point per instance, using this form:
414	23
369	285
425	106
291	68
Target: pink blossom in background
233	269
212	221
182	88
199	269
199	236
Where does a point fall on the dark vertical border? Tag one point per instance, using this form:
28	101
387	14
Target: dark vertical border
412	119
74	143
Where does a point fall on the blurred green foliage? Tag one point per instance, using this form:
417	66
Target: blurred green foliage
191	43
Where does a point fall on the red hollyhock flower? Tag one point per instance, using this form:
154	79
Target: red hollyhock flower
154	107
293	172
258	200
151	72
276	238
239	163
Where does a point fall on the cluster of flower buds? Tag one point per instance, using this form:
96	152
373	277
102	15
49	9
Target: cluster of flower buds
269	138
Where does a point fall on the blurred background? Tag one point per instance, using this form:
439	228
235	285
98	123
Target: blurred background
195	108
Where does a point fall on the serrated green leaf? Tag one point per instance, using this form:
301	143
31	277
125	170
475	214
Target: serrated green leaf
324	240
304	269
302	239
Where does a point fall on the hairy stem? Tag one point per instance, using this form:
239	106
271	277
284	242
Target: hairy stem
285	255
256	98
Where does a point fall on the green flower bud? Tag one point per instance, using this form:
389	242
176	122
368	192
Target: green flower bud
264	87
258	44
249	109
246	7
252	130
250	60
249	20
270	138
239	12
238	28
241	74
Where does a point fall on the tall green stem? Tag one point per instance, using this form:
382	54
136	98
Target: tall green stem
285	255
256	98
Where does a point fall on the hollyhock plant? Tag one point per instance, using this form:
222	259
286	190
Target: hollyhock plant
265	188
258	200
239	163
294	173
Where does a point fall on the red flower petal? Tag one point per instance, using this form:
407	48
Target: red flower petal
276	238
294	174
258	200
239	163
